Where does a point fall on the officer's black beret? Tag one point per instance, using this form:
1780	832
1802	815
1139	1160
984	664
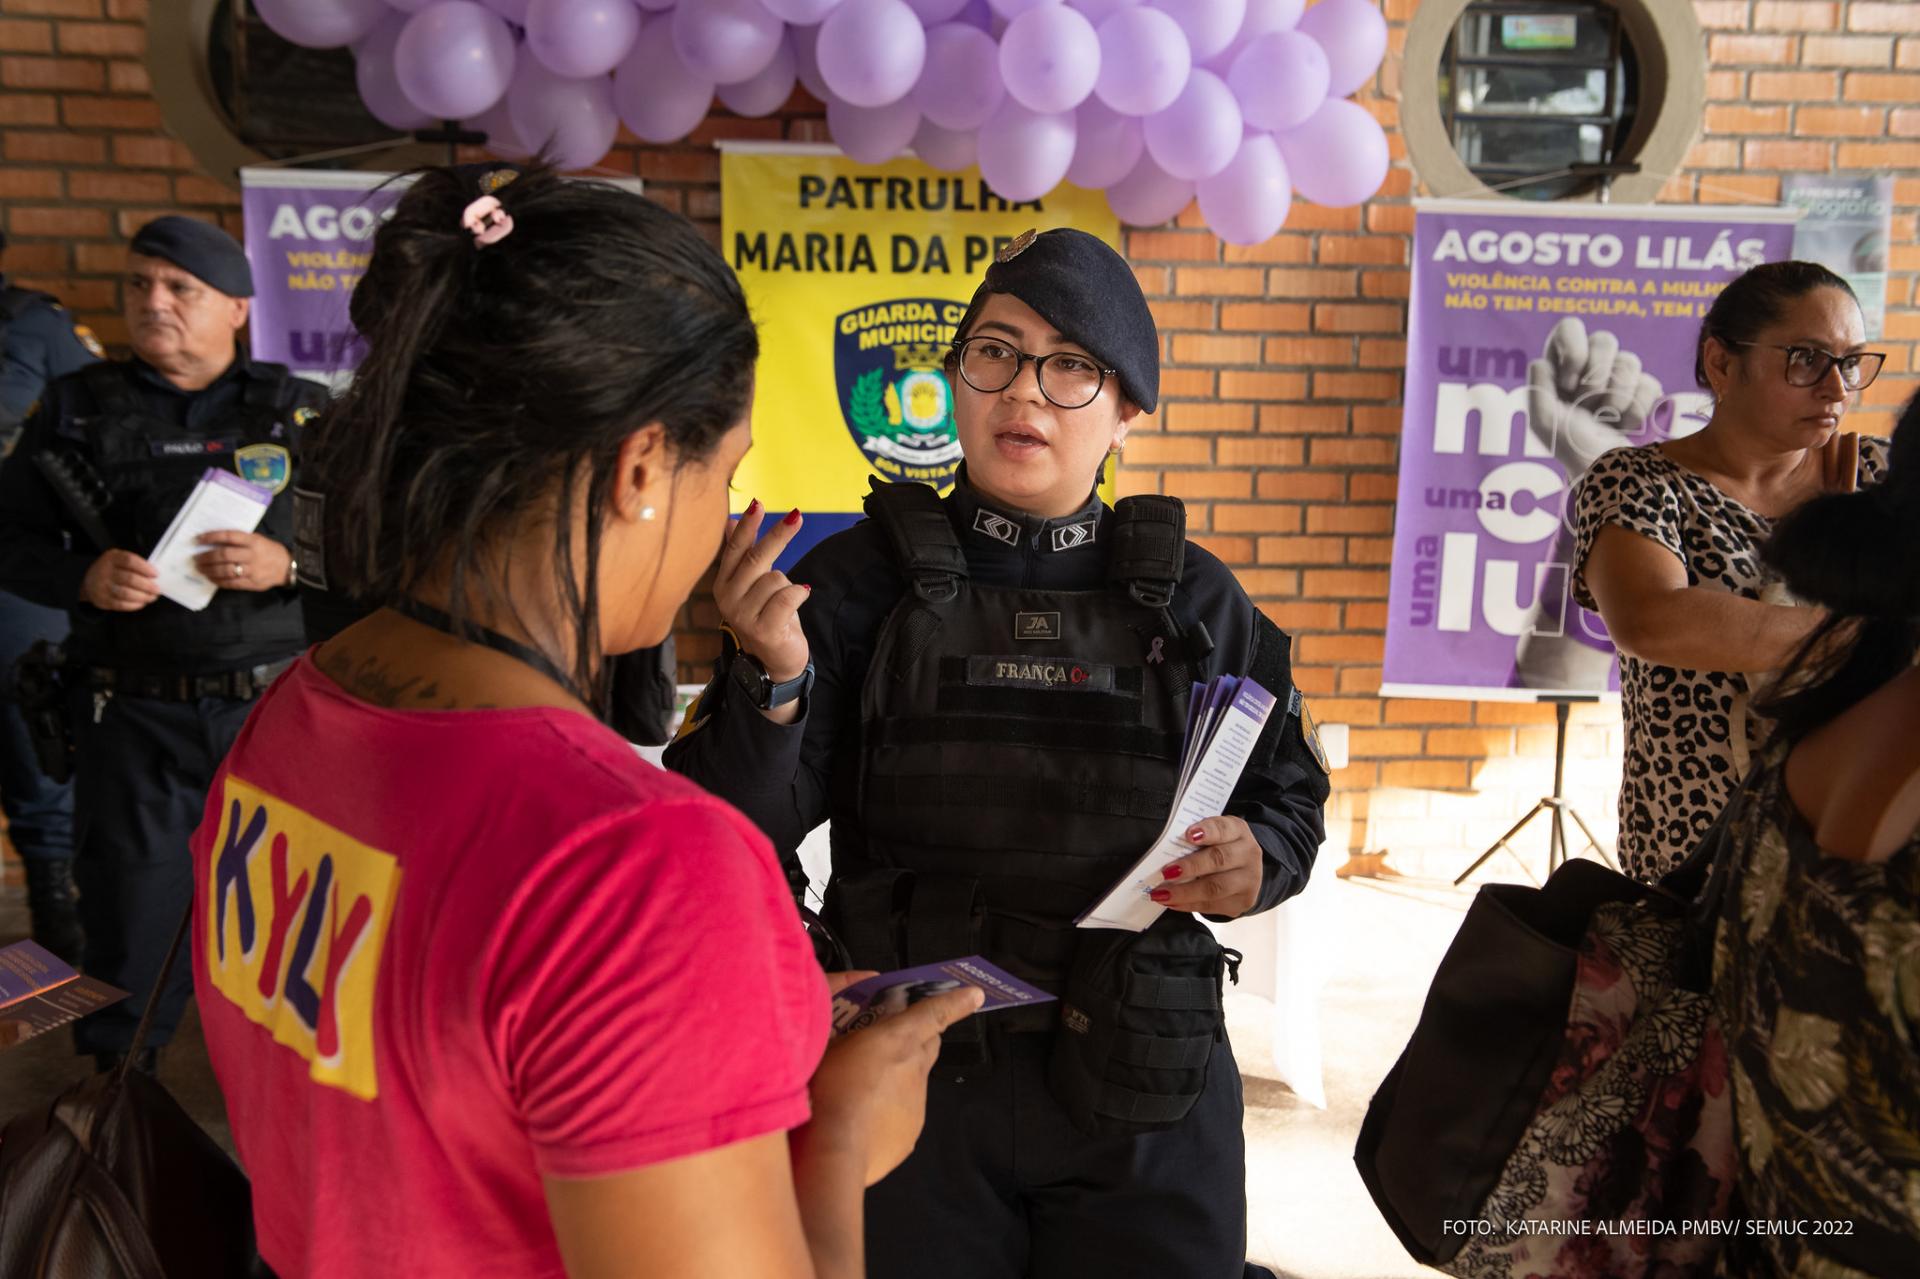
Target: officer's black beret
1086	291
201	250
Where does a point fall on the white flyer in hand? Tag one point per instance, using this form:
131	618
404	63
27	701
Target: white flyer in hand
221	501
1224	721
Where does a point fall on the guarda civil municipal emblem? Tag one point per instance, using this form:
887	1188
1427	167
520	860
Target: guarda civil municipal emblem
894	396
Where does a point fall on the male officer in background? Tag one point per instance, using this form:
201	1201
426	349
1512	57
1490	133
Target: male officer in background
39	341
160	691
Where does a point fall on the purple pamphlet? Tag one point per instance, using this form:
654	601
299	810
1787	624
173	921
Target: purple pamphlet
39	993
866	1002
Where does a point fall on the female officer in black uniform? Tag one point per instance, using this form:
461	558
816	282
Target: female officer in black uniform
986	695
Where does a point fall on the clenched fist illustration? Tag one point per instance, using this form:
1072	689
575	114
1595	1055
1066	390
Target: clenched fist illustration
1585	395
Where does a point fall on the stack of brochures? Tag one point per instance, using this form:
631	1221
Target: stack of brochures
1224	719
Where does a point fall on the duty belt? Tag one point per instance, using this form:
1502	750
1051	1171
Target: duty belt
243	684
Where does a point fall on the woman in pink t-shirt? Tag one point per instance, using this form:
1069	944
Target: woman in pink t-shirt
487	994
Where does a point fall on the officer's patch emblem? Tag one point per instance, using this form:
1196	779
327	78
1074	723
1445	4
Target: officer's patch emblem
1310	733
304	415
88	340
1036	626
888	362
1017	245
268	465
997	527
1068	536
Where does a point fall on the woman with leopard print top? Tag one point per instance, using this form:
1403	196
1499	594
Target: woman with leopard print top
1668	536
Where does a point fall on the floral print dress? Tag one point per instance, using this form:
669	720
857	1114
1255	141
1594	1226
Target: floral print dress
1817	988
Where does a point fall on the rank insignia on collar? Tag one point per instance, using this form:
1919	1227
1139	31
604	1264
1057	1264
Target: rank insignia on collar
1068	536
268	465
997	527
1016	246
304	415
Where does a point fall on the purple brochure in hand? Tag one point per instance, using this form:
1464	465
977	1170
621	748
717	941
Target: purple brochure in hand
866	1002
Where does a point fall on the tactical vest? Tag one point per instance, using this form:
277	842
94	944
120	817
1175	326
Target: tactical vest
149	466
1020	750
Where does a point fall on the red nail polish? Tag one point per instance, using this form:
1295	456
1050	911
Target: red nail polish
1161	895
1173	872
793	516
753	506
1197	834
806	588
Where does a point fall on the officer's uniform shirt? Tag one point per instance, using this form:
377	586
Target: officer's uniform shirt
790	778
44	555
43	342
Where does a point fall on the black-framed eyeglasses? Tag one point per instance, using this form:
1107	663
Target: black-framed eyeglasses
1068	379
1808	365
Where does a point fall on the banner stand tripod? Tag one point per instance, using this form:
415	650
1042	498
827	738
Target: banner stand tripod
1555	804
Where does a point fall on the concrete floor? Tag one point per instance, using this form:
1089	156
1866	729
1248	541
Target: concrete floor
1310	1217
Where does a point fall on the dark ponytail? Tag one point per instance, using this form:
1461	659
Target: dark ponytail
500	380
1857	555
1757	299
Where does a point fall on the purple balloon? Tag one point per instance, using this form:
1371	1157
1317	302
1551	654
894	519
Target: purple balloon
1149	196
1025	154
1050	58
725	40
1144	61
656	6
1247	202
871	51
1196	136
1011	9
766	92
497	123
949	150
514	11
1355	37
933	12
977	13
1262	16
806	59
581	37
569	120
1098	11
1280	79
454	59
321	24
654	93
373	73
960	87
1339	156
873	135
1210	24
1108	146
801	13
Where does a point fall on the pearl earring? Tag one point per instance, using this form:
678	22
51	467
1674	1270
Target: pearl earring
646	512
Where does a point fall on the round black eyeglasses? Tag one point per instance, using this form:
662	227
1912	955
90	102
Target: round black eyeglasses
1068	379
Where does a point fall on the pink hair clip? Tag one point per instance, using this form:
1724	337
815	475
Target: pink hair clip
489	222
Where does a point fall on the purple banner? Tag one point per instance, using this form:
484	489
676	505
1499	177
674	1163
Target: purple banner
1536	342
309	235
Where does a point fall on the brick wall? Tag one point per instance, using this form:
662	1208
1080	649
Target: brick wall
1283	378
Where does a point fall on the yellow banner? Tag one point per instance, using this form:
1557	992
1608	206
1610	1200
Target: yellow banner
857	275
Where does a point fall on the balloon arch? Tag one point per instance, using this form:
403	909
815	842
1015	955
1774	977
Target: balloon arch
1237	102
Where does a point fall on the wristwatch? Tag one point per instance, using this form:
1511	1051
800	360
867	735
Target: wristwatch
761	690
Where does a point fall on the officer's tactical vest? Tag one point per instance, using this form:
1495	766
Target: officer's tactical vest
150	466
1020	751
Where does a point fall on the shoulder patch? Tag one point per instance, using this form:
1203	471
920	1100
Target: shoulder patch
1310	733
268	465
88	340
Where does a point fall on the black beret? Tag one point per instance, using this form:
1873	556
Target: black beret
1089	294
201	250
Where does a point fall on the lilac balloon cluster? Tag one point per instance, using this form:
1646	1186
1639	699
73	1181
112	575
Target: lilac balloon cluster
1238	102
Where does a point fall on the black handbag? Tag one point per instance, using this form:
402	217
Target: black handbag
113	1180
1564	1094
